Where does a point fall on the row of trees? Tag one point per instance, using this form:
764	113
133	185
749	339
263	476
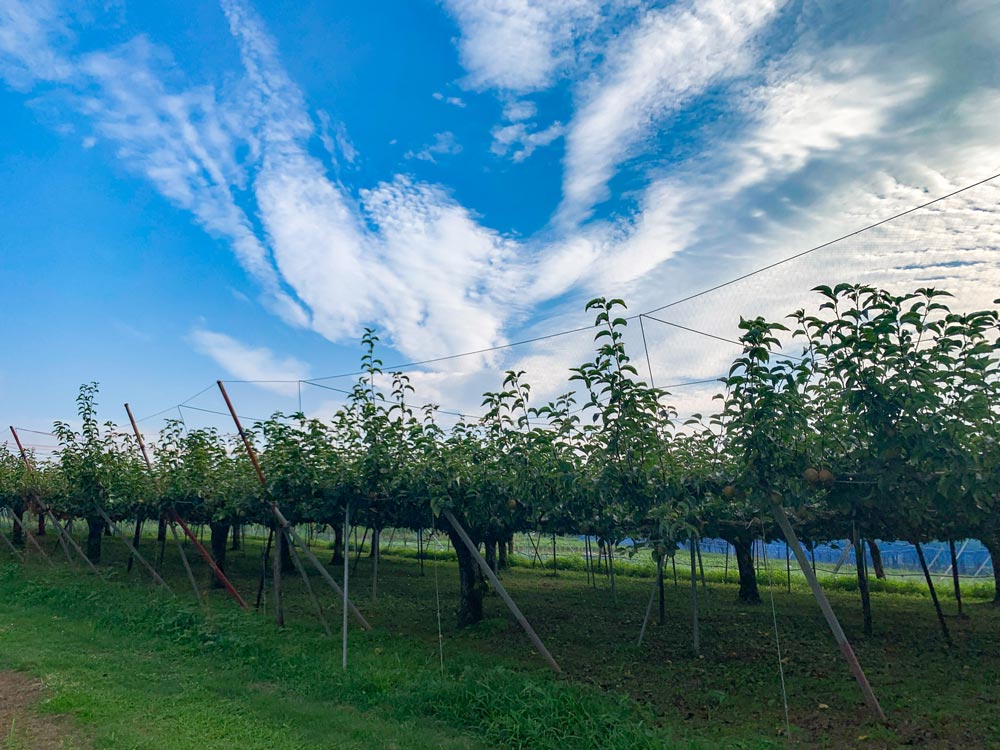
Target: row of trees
882	424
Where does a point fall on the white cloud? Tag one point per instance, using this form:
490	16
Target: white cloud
519	109
30	33
333	136
520	142
668	58
828	137
454	101
245	362
444	144
520	45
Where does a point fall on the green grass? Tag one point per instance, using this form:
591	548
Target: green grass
115	653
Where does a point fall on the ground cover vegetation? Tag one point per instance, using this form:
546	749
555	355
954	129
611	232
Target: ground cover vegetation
871	416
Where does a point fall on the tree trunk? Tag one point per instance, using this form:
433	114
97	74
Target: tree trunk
338	545
219	537
491	555
992	544
748	575
376	538
95	535
235	538
471	585
136	536
504	553
876	554
161	541
41	524
17	533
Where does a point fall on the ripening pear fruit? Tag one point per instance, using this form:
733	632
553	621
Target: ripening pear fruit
811	475
729	491
512	504
826	476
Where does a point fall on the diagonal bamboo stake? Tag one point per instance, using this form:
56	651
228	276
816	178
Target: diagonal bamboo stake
172	515
831	619
63	534
118	532
15	550
30	537
187	565
309	589
521	619
282	521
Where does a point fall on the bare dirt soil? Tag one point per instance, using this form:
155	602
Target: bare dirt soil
22	727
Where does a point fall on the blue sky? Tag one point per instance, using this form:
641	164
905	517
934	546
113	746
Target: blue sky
195	190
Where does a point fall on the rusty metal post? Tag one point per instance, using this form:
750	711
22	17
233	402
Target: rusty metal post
282	521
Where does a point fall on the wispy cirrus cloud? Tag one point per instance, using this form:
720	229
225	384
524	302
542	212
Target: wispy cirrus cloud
825	135
667	59
244	362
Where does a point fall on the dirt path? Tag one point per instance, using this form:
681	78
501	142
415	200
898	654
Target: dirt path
21	728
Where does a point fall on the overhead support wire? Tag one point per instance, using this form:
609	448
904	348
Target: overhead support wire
647	314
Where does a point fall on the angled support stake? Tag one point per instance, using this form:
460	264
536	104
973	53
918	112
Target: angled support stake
174	518
282	521
488	571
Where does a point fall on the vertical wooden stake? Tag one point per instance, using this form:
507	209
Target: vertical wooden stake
347	530
279	612
694	601
954	574
659	586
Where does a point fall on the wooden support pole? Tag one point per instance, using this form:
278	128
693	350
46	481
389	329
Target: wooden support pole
322	571
956	583
831	619
69	538
659	586
173	517
934	596
279	610
695	634
118	532
31	538
649	609
309	589
15	550
186	564
843	557
347	531
264	558
488	571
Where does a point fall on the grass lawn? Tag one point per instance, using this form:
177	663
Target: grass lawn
141	669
